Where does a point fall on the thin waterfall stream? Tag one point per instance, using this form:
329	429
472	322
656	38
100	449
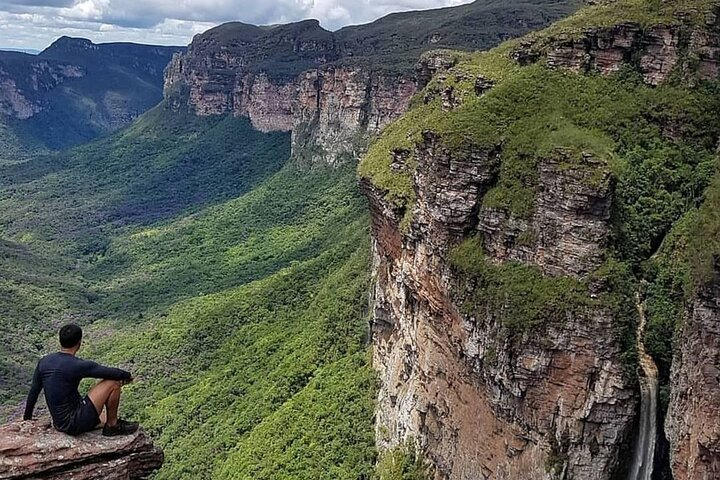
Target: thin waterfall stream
644	451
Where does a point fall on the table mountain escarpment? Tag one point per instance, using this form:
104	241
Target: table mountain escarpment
517	209
75	90
333	90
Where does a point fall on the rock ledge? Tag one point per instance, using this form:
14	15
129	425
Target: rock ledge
34	450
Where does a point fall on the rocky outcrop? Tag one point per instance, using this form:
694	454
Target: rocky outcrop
481	402
693	421
338	108
35	450
656	51
23	87
568	231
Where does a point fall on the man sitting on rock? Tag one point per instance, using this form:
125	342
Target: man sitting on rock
59	374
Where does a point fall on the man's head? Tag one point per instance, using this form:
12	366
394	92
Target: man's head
71	337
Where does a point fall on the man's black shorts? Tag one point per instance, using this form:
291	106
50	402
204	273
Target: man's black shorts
86	418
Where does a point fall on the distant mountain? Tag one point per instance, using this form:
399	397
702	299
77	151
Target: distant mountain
74	91
29	51
335	90
393	42
402	37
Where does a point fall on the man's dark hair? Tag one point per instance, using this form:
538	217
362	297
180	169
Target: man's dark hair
70	335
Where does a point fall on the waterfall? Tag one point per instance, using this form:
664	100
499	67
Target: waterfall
644	451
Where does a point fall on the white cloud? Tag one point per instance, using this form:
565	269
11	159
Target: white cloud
36	23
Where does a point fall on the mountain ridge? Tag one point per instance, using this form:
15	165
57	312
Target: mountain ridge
74	91
531	199
325	87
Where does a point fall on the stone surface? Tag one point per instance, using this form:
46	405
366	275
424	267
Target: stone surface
568	231
693	422
553	404
23	95
655	51
34	450
330	110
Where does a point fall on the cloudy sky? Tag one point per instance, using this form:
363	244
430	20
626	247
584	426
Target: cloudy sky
34	24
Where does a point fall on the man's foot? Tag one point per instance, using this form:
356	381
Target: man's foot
121	428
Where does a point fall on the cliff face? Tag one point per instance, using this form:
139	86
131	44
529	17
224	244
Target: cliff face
329	109
488	379
693	422
36	450
75	90
479	400
21	96
334	90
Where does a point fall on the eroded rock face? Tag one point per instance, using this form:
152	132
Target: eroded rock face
22	96
330	110
568	231
655	51
693	421
481	403
36	450
338	108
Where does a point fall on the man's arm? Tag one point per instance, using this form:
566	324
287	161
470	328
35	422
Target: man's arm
94	370
33	394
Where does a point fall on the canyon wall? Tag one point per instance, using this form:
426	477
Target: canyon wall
481	398
22	95
693	421
331	110
335	90
485	402
74	91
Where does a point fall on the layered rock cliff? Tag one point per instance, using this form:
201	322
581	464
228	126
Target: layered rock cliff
21	94
482	400
333	91
503	308
693	422
36	450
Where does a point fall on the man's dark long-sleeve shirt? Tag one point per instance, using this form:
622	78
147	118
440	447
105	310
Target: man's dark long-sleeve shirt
59	374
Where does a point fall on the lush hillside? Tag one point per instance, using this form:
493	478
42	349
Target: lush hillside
268	377
397	40
37	293
233	287
74	91
60	211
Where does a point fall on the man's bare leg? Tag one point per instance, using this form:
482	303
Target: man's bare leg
105	396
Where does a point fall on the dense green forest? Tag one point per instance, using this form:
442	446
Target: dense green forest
233	282
229	281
